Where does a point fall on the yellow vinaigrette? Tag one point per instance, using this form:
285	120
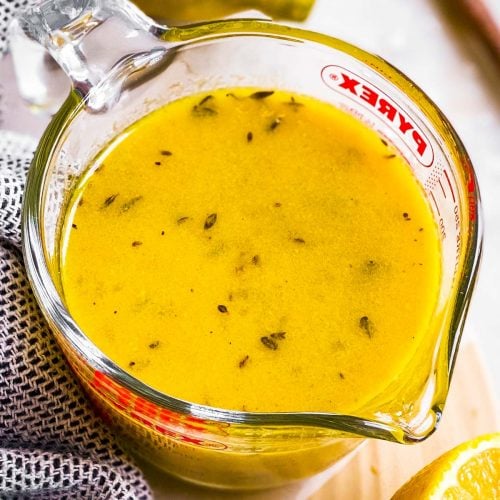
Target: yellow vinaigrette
253	250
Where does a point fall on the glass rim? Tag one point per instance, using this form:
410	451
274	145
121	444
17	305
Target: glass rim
59	317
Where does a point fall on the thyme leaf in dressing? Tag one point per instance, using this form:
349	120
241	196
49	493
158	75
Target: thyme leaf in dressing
210	221
366	325
269	343
278	335
181	220
129	204
109	200
205	99
275	123
203	109
261	94
244	361
272	340
294	104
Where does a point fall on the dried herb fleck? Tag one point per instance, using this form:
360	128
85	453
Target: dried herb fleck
181	220
272	340
204	111
154	344
244	361
109	200
74	226
129	204
278	335
255	260
341	375
406	216
222	308
299	240
390	157
202	108
275	123
370	266
277	204
294	104
249	137
205	99
261	94
80	203
158	163
165	152
210	221
136	243
131	364
366	325
384	142
269	343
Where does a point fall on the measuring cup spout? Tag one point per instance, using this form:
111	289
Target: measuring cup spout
104	46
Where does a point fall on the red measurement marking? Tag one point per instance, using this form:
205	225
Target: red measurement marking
449	184
435	202
442	188
471	184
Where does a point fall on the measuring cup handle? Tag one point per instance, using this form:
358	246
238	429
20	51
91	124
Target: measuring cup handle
100	44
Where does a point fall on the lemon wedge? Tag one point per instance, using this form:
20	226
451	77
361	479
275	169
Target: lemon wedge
468	472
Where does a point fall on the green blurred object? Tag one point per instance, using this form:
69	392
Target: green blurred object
186	11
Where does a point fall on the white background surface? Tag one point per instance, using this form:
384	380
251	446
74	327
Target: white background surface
413	36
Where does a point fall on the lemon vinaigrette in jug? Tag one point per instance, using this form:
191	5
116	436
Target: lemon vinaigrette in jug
255	244
253	250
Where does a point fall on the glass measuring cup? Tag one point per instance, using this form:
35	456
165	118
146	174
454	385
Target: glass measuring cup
154	65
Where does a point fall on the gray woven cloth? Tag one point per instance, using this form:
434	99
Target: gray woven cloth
52	445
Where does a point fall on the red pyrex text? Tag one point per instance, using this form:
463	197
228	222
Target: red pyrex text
372	98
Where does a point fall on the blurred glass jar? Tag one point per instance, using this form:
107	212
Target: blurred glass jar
195	10
44	87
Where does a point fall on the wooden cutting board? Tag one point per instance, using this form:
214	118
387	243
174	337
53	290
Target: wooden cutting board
379	468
